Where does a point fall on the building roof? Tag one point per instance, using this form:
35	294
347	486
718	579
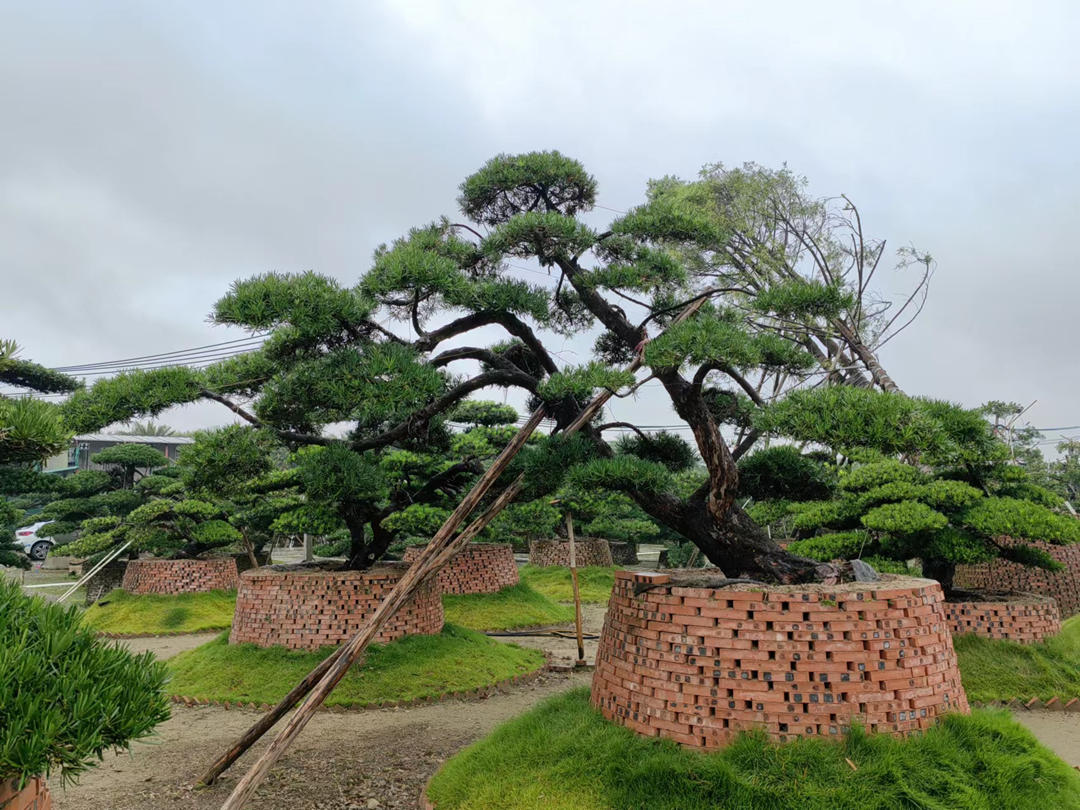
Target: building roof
117	438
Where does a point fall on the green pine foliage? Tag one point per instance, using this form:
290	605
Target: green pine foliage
68	696
947	503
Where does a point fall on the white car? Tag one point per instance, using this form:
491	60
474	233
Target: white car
36	548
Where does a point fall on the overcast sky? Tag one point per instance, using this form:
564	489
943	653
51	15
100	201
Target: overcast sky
151	153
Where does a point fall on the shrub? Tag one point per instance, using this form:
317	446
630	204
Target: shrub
65	696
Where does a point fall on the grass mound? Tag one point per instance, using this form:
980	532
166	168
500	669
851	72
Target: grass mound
509	609
563	755
1002	670
594	582
151	613
410	668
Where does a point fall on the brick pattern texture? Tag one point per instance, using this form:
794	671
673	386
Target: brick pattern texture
1001	575
108	579
623	553
478	568
587	551
180	576
1026	621
35	796
309	609
699	665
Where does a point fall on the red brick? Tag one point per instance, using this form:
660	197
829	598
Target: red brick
180	576
734	677
478	568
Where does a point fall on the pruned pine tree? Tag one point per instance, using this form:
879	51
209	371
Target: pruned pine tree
908	478
30	431
330	359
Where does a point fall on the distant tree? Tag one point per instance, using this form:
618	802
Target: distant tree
147	428
30	431
916	478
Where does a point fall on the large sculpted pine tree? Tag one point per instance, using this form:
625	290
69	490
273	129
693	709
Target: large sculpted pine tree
782	294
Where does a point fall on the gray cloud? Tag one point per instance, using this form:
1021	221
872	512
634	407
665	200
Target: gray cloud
152	153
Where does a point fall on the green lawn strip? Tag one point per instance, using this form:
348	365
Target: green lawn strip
148	614
563	755
509	609
1003	670
410	668
594	582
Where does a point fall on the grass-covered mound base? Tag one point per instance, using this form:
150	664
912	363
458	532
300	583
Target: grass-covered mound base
512	608
1003	670
124	614
409	669
594	582
564	756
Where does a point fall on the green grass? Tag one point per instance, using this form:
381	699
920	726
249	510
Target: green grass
563	755
1003	670
595	582
149	614
410	668
509	609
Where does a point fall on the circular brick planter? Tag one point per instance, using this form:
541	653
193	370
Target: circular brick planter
1024	618
699	665
1002	575
305	608
180	576
587	551
623	553
478	568
34	796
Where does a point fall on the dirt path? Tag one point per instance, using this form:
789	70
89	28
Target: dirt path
1057	731
340	762
562	649
167	646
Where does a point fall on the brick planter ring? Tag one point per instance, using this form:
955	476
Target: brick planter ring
305	608
478	568
699	665
180	576
34	796
587	551
1024	618
1002	575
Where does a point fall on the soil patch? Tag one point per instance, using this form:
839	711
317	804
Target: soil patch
340	762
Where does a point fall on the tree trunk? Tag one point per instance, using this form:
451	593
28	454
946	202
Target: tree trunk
368	539
735	544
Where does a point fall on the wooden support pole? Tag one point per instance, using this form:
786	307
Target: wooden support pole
577	593
270	719
442	546
435	555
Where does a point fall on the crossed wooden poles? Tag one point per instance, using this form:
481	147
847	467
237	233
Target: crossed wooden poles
320	682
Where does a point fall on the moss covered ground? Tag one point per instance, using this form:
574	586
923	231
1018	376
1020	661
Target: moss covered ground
123	613
563	755
411	668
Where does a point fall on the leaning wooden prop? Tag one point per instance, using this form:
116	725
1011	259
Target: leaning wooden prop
321	681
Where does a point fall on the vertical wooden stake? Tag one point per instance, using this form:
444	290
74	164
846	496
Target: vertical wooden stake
577	593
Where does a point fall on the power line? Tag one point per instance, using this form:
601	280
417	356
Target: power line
254	341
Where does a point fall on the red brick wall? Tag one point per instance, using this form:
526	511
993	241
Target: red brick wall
309	609
34	796
1025	620
699	665
1001	575
478	568
180	576
587	551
